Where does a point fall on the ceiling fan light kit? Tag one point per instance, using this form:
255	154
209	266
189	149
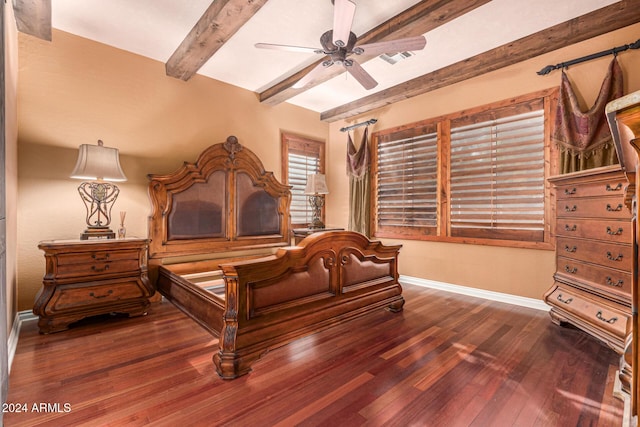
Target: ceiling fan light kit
340	42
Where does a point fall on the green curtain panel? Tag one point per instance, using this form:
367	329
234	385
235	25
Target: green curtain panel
358	161
583	137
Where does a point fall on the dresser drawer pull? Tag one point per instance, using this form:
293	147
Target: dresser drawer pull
614	233
616	209
617	284
567	228
568	249
566	301
568	269
99	270
568	209
616	188
102	258
610	321
568	192
612	258
91	294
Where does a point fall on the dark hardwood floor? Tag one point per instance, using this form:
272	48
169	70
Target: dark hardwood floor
446	360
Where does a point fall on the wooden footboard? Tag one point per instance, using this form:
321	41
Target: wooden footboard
267	302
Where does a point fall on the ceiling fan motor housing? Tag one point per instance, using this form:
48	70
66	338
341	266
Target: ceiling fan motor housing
337	54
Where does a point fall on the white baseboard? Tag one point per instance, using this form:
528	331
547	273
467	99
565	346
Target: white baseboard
480	293
12	343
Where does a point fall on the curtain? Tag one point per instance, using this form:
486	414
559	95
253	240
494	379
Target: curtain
358	172
584	138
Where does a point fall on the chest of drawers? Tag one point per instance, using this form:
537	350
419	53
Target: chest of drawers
89	277
594	254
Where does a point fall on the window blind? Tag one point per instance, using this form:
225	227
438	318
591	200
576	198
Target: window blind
497	176
406	183
300	166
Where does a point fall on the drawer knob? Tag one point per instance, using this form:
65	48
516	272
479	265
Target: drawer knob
99	270
566	301
568	192
616	209
109	292
567	228
570	270
568	249
617	284
610	321
616	188
612	258
568	209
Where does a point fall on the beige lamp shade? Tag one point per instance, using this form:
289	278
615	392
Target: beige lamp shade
97	162
316	184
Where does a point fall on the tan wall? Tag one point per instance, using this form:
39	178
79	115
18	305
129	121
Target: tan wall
522	272
11	157
73	91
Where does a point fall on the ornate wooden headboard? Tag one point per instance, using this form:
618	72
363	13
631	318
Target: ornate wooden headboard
224	201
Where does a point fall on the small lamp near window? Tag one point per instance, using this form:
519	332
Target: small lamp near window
98	164
316	189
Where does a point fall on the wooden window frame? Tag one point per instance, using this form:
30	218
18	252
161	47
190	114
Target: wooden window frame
443	232
297	143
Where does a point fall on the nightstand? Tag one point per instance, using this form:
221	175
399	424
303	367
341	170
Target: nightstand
89	277
301	233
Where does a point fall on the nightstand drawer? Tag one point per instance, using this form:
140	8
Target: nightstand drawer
98	267
77	297
96	256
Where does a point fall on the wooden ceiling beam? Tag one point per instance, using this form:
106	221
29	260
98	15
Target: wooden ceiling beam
601	21
422	17
33	17
216	26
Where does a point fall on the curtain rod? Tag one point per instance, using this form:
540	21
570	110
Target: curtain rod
357	125
614	51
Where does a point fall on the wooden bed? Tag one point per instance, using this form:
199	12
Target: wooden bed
219	251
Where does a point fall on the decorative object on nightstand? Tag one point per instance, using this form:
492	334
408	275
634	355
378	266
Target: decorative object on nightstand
90	277
316	189
122	231
98	164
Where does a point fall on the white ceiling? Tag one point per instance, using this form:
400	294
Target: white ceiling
155	28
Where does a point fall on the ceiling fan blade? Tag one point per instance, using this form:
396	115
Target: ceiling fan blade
343	13
391	46
311	75
288	48
361	75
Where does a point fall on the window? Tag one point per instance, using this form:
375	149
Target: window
406	181
475	177
300	157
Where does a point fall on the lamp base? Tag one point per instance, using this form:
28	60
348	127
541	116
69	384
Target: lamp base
97	233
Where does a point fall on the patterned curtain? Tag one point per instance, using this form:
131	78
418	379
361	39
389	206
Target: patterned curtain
584	138
358	172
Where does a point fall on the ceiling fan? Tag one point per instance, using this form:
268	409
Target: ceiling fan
340	43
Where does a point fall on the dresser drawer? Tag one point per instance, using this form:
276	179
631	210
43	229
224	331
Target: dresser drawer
600	279
73	297
602	208
602	253
608	230
591	314
608	187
